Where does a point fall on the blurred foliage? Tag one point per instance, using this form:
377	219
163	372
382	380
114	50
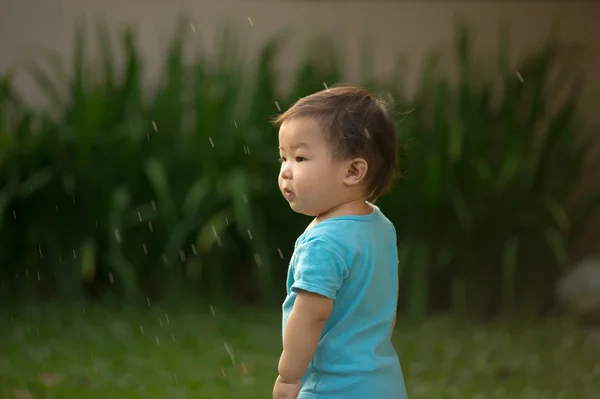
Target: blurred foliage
118	189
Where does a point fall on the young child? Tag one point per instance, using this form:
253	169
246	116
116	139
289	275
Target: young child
338	154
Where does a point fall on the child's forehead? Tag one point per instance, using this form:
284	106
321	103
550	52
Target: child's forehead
298	133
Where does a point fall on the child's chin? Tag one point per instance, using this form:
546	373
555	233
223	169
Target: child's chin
301	211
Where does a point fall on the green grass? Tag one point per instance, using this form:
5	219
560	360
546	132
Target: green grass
82	352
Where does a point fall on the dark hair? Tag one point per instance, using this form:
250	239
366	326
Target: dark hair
357	124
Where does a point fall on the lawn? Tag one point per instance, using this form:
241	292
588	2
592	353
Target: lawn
92	352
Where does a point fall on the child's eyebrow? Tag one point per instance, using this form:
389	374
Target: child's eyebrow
296	146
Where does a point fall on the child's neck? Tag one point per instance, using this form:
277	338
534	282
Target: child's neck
357	207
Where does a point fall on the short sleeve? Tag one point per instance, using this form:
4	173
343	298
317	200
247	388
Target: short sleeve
319	269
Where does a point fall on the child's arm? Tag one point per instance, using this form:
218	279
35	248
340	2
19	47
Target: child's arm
302	334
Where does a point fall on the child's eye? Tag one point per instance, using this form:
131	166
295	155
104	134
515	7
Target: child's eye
300	159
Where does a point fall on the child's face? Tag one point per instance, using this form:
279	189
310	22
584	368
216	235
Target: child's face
309	179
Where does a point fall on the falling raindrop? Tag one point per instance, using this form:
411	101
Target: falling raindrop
140	217
258	260
148	300
280	253
229	352
111	278
182	255
212	310
40	250
520	77
145	249
142	330
150	227
154	126
325	85
250	20
153	205
194	250
117	235
15	215
249	234
157	341
277	105
211	142
193	28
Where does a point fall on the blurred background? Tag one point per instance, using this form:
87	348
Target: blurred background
144	242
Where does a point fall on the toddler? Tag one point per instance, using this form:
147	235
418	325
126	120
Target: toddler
338	155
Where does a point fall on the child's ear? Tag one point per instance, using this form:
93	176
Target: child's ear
356	171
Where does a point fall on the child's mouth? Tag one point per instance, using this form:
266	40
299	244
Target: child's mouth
288	193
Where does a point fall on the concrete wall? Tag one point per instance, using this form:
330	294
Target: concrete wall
408	27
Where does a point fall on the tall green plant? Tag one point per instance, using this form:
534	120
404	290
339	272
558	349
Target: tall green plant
483	214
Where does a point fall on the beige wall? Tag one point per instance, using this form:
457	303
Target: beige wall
409	27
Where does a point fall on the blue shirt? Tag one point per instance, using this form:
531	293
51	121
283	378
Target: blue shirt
354	261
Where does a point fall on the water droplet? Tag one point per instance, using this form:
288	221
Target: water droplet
277	105
280	253
182	255
520	77
150	227
249	234
154	126
117	235
250	20
142	330
211	142
145	248
140	217
193	28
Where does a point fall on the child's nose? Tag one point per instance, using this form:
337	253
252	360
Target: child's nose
286	172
